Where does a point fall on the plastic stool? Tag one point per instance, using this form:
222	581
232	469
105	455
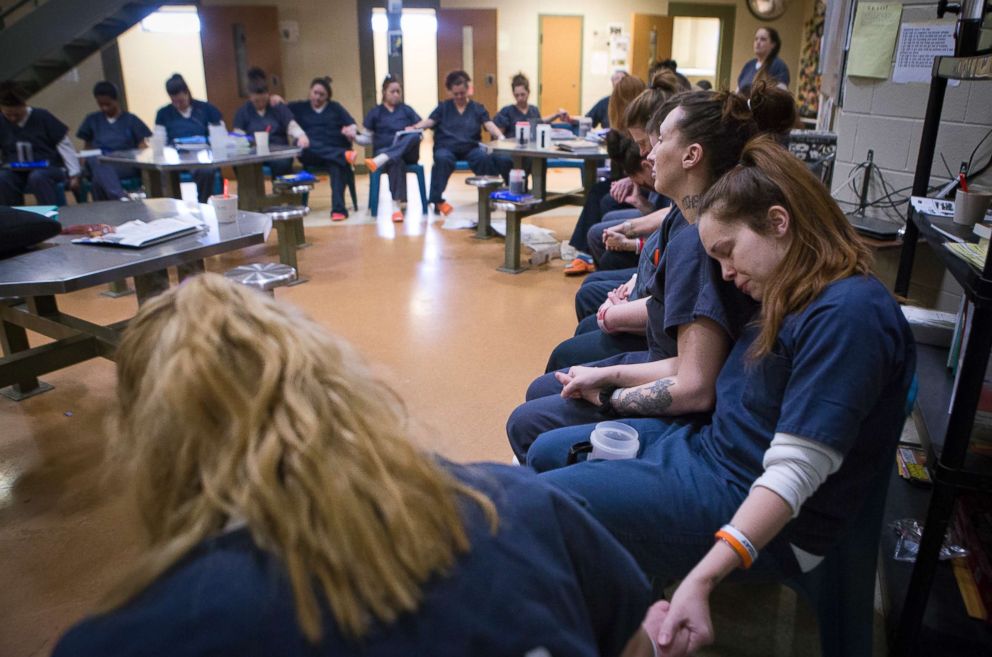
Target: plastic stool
288	222
486	185
263	276
374	188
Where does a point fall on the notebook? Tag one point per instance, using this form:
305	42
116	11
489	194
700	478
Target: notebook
138	234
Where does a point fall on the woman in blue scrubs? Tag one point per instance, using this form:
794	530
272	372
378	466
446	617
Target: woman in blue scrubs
330	130
457	124
259	115
111	129
392	152
766	62
286	511
187	117
506	119
689	315
810	405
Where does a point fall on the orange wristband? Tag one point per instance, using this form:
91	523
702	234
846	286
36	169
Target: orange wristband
737	546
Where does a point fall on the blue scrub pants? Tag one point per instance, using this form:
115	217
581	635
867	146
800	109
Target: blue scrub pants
664	505
106	179
332	159
590	343
592	293
545	408
280	167
607	260
481	163
405	150
42	183
598	202
204	179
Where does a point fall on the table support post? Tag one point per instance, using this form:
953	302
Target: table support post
148	285
483	230
251	186
117	289
511	260
189	269
14	338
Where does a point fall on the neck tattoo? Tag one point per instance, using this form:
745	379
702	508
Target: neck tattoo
690	202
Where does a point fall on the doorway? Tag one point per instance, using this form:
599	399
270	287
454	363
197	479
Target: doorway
419	56
726	14
559	64
650	43
466	40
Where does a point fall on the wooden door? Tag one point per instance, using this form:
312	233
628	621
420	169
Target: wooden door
560	74
466	39
647	49
234	39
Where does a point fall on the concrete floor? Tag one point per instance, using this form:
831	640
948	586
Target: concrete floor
458	340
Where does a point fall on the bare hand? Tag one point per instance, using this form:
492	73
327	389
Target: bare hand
617	242
621	189
581	383
303	141
276	99
350	131
682	626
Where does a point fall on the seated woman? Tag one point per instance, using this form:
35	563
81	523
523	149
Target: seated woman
260	115
393	151
690	315
288	512
457	123
330	130
789	455
506	119
111	129
33	135
186	117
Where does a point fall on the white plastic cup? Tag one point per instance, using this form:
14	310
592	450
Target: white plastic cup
970	207
262	143
189	195
158	143
517	181
543	136
585	125
218	137
613	441
523	132
225	208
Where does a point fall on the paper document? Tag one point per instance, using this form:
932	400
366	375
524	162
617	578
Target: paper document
137	234
919	43
873	39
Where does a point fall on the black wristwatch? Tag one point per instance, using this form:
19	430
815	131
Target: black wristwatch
606	401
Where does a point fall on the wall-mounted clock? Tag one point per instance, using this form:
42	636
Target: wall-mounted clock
766	10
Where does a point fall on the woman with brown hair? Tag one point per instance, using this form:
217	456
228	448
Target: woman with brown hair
809	405
288	513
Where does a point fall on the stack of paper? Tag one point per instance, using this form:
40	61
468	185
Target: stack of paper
137	234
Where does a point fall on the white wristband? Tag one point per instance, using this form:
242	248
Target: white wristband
742	539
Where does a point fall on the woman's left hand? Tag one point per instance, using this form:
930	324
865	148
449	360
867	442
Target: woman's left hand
303	142
350	131
617	242
682	626
581	383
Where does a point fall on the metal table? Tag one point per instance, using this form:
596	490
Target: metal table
543	199
30	281
160	173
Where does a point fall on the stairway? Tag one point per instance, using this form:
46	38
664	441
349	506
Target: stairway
55	36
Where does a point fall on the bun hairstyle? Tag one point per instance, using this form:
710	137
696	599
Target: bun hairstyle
258	81
664	85
106	89
824	247
773	108
325	82
625	90
722	122
520	80
177	85
388	80
455	78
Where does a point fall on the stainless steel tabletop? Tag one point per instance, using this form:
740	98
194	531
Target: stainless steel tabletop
58	266
170	158
511	147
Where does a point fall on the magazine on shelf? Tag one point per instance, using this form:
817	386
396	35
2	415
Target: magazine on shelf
138	234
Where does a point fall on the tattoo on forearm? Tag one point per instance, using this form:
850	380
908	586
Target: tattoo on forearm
647	401
690	202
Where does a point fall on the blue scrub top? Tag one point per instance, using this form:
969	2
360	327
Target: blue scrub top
177	126
777	70
42	130
550	577
839	374
650	258
600	113
385	123
275	119
688	285
323	129
125	133
454	129
506	119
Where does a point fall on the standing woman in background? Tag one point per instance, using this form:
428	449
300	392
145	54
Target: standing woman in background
111	129
767	43
259	115
393	152
330	130
520	110
186	117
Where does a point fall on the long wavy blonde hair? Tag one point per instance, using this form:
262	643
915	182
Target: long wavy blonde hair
231	406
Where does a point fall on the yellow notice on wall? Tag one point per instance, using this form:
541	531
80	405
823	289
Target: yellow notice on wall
873	39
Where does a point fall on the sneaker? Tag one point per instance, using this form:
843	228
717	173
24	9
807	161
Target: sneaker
370	163
397	217
444	208
338	216
350	156
579	267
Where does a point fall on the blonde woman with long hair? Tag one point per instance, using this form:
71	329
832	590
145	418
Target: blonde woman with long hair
287	512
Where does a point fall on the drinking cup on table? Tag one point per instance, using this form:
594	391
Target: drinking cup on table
585	125
218	137
523	132
517	181
262	143
187	191
970	206
543	136
225	208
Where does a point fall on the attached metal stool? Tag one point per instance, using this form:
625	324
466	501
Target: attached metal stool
486	185
288	222
264	276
